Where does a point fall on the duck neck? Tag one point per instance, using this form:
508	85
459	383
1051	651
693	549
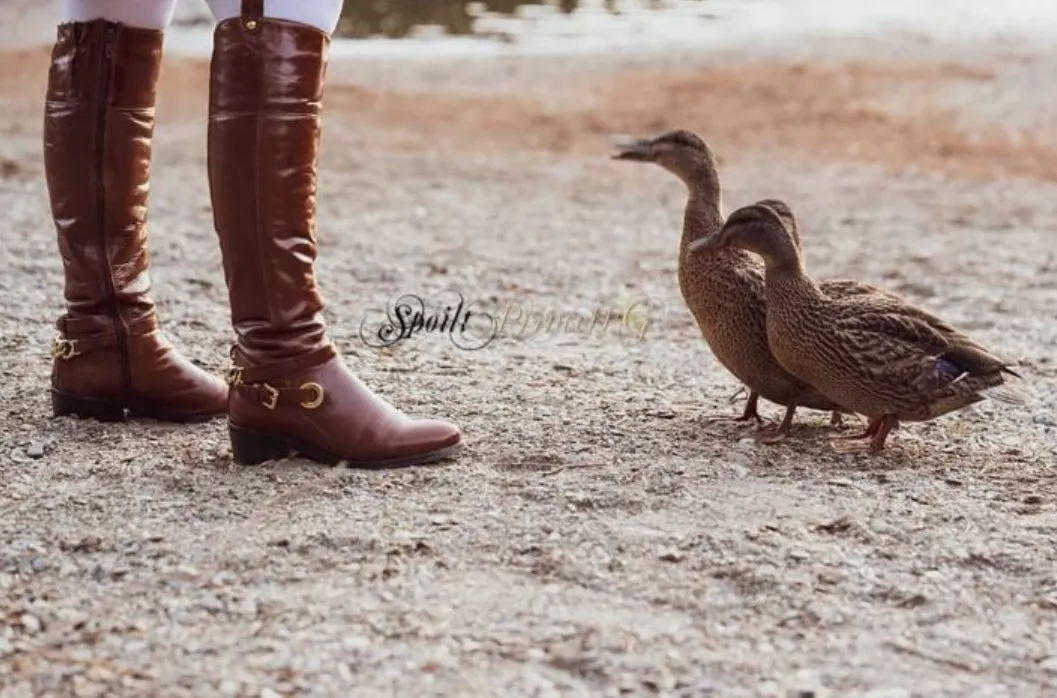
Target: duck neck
787	280
704	213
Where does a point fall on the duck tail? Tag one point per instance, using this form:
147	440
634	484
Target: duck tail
1009	392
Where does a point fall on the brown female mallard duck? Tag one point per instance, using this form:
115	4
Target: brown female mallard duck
872	352
724	289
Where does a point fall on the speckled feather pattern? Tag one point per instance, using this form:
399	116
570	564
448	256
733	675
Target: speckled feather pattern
874	353
725	292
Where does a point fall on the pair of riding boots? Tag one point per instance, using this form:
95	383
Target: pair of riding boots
289	391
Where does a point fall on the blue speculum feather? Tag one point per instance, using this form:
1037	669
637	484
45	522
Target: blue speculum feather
945	368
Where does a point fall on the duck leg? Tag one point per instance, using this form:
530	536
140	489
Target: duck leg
871	440
773	436
750	412
871	429
837	419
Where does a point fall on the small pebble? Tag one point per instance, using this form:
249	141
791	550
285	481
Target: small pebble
706	688
211	603
739	463
891	692
248	608
672	556
35	450
187	571
39	564
223	579
355	642
229	688
1045	419
30	623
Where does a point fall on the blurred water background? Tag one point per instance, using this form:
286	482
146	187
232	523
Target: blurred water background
417	27
513	19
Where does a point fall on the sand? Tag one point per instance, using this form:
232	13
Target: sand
596	537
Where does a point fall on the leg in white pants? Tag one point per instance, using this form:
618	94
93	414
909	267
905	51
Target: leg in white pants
321	14
146	14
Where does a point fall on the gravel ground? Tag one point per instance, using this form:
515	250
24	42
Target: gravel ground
597	537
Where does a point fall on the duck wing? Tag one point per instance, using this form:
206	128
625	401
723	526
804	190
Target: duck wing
909	321
919	361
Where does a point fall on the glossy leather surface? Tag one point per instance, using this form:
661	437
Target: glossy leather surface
266	91
98	130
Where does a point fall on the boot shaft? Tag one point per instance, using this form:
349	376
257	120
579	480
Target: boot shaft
98	129
265	93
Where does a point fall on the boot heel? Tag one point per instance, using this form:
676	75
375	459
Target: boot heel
251	447
64	405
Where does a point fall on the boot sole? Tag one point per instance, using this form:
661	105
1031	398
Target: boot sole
68	405
252	447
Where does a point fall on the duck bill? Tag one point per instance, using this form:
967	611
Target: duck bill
639	150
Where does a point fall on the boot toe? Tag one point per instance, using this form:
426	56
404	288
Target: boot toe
171	386
210	398
426	436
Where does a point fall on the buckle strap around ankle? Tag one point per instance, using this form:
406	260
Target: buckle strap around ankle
309	395
65	349
76	339
251	381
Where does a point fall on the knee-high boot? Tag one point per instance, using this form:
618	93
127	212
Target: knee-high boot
290	390
111	355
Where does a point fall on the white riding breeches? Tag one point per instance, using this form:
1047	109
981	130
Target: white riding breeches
157	14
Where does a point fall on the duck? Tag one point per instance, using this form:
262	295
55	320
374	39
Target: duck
724	288
872	351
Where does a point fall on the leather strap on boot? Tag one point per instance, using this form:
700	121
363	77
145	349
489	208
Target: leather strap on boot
77	339
253	384
252	12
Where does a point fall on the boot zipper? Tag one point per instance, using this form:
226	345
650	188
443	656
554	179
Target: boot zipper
105	70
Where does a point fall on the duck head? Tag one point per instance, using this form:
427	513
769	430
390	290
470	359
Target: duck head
759	229
786	214
681	152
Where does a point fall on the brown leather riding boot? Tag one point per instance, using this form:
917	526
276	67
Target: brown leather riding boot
291	393
98	123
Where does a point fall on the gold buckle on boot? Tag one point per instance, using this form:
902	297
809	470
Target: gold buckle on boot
269	395
317	400
272	398
64	349
233	376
